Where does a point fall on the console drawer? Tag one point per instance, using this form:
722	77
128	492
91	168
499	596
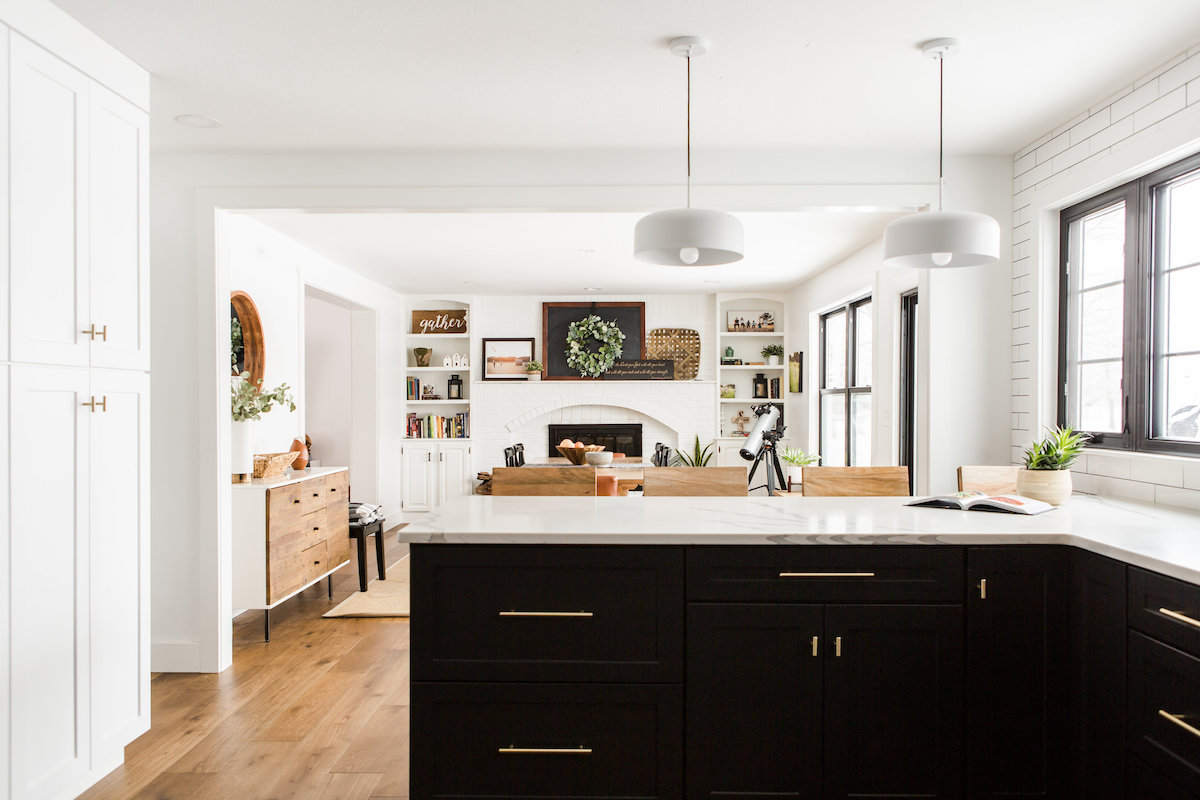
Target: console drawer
517	613
312	495
826	574
546	741
1165	608
1164	709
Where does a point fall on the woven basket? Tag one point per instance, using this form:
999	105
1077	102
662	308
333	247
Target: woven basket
268	465
681	345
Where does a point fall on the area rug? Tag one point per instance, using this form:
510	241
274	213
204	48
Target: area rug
381	599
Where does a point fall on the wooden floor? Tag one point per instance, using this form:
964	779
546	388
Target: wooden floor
319	713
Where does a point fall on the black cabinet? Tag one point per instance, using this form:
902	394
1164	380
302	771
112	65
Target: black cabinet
1097	740
1018	614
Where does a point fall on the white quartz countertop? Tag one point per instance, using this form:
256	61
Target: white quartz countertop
1161	539
291	476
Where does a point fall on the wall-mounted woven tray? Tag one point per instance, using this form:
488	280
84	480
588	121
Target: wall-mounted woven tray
681	345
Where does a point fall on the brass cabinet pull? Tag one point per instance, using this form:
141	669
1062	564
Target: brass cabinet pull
837	647
573	751
815	641
1178	720
93	405
983	588
93	333
546	613
1167	611
827	574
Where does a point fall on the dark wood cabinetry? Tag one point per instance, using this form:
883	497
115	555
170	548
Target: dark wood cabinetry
1017	682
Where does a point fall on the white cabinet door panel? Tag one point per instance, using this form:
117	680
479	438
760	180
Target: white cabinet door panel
419	477
119	548
454	467
49	580
118	233
48	163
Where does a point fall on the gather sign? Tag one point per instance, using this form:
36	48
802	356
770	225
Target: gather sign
452	320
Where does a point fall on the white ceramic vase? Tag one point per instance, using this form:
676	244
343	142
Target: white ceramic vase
241	451
533	376
1051	486
773	361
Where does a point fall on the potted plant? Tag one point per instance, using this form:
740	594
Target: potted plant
699	457
533	370
796	459
1047	472
249	402
773	353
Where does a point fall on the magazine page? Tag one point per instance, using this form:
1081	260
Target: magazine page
959	500
1009	504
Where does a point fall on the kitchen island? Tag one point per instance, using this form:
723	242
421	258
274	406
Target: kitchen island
737	647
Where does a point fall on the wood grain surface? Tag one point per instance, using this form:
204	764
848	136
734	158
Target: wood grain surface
855	481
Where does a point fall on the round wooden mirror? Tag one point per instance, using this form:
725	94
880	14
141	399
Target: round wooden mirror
246	351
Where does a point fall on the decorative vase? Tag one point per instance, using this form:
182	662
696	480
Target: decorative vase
729	352
241	450
773	361
533	376
301	460
1051	486
422	354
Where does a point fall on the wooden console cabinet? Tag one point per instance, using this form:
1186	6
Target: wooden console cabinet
288	533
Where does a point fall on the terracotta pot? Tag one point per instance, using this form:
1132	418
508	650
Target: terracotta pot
301	460
1051	486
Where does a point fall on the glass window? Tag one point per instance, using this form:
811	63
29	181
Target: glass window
845	405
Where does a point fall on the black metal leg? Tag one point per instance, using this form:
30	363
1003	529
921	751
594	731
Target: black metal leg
266	624
330	581
362	561
379	551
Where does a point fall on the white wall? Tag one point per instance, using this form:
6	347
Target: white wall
328	381
1152	121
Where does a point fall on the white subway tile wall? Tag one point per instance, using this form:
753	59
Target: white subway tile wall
1143	106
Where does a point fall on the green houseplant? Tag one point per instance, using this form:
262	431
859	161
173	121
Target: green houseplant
796	459
1046	475
533	370
699	457
773	353
248	402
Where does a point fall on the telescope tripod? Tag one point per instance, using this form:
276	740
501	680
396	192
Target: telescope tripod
773	467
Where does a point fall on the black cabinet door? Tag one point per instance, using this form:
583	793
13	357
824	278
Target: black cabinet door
1097	677
1017	661
893	701
754	701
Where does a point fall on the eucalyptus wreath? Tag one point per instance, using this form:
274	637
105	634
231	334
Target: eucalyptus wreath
580	337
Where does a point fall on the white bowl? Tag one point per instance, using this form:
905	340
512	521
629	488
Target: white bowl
598	458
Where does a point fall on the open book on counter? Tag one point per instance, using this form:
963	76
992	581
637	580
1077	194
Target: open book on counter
978	501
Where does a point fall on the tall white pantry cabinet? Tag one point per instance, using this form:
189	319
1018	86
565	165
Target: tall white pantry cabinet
74	369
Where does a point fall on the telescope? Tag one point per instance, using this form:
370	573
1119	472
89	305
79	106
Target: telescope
760	445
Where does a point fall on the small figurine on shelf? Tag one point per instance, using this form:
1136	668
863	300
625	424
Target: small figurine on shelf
446	361
741	421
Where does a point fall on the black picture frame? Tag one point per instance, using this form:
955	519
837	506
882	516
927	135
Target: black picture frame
521	354
557	319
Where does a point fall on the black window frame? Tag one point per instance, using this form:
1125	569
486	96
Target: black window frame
1143	317
849	390
909	304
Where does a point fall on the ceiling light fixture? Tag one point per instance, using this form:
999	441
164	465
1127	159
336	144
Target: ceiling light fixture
688	237
198	121
941	238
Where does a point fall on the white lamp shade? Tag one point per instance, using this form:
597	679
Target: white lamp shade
936	239
659	237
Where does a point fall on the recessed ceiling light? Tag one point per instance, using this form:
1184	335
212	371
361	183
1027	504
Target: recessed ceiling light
198	121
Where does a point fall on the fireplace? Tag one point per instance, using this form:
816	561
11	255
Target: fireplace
617	438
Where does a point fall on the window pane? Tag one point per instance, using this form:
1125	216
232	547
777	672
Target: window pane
1182	395
1183	310
1182	211
1099	397
833	430
863	333
860	405
1102	247
835	350
1101	313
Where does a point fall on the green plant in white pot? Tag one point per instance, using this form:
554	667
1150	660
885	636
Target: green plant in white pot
533	370
796	460
1047	472
773	353
248	403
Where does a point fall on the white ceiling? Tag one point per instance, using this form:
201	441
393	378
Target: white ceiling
353	75
566	253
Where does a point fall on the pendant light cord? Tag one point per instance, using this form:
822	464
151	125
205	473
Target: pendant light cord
941	122
689	130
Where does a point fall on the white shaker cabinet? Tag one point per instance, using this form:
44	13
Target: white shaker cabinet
454	470
435	471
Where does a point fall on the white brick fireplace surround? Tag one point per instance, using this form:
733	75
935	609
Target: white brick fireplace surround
506	412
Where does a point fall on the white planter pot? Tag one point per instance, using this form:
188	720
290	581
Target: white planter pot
533	376
794	475
773	361
241	451
1051	486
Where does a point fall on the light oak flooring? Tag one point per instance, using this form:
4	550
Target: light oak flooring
319	713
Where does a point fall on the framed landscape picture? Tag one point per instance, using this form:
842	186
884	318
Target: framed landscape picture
505	359
750	321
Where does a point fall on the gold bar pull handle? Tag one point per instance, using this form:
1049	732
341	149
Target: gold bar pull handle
837	647
570	751
1178	720
103	404
102	333
815	643
827	574
546	614
90	404
983	588
1172	614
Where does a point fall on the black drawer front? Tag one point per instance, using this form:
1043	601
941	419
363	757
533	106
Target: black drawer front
827	574
1165	608
1164	702
604	741
603	614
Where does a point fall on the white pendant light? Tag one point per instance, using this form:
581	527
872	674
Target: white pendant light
688	237
935	239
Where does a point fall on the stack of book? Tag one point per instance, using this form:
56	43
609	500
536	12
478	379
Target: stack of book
773	389
434	426
414	388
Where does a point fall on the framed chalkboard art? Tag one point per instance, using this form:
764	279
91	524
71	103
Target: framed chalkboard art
629	317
